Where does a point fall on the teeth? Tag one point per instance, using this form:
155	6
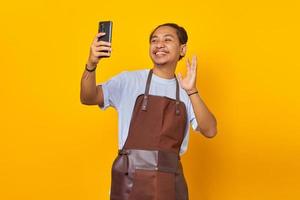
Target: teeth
160	53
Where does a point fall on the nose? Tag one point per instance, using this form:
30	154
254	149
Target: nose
160	44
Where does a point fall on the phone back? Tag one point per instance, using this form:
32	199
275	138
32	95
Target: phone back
105	26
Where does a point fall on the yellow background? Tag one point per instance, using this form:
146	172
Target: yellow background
52	147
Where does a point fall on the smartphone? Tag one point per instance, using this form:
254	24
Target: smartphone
105	26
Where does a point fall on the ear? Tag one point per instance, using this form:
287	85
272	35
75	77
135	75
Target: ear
183	49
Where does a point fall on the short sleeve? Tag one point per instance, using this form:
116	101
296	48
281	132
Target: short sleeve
113	90
191	116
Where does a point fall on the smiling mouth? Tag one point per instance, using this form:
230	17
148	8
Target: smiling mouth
160	53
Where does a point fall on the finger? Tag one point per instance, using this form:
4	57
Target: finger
179	76
188	63
188	66
194	67
194	63
98	35
102	48
102	43
102	54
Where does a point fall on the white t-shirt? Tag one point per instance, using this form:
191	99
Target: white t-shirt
122	90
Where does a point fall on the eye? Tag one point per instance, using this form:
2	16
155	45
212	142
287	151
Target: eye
168	39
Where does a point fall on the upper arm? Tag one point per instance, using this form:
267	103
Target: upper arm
99	97
110	92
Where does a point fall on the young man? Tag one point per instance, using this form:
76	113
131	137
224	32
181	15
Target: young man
154	115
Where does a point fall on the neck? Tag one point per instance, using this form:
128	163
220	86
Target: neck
166	72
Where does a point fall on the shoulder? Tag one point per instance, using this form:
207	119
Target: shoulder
133	76
129	79
127	74
135	73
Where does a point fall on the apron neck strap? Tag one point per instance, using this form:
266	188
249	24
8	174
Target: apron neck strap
145	100
177	97
148	82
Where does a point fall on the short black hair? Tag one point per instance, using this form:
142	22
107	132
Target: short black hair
180	31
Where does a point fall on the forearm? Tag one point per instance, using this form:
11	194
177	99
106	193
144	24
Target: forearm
207	123
88	91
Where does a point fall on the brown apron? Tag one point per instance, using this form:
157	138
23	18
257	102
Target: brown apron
148	167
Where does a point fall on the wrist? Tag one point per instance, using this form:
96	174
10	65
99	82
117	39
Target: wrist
91	65
191	90
90	68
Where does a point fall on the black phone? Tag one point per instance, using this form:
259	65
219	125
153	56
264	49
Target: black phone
105	26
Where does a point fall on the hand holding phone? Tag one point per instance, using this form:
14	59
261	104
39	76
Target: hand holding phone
105	27
101	46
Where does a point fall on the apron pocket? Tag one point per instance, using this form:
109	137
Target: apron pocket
121	183
153	185
143	185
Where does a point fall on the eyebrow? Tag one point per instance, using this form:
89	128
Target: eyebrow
167	35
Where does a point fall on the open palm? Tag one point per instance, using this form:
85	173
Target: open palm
188	83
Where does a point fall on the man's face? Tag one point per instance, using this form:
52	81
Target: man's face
165	47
